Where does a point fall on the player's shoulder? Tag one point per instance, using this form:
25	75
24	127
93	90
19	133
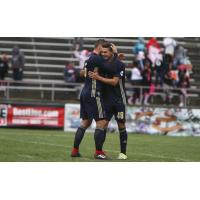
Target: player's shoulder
119	63
95	58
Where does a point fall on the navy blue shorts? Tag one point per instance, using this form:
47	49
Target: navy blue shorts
117	110
91	107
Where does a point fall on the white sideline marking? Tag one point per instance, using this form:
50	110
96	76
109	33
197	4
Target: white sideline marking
30	134
42	143
25	155
152	155
164	157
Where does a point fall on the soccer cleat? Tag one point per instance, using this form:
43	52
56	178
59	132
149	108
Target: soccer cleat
122	157
75	153
100	156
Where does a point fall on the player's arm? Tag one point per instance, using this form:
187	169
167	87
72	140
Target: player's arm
82	73
121	56
110	81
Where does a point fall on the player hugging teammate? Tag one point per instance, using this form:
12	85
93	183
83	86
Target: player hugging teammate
103	97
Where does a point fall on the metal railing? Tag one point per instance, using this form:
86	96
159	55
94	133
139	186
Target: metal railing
8	86
165	91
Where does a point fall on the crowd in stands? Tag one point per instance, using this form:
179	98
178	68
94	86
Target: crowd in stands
159	66
156	66
16	64
4	66
71	72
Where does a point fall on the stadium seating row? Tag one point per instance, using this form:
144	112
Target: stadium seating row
46	57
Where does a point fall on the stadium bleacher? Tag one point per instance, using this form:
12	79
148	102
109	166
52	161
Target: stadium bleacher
46	58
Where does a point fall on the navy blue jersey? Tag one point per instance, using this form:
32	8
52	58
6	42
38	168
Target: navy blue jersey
92	87
92	106
114	94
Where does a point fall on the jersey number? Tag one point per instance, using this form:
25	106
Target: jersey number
120	115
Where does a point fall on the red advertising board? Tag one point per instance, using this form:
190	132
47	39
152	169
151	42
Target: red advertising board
35	116
3	115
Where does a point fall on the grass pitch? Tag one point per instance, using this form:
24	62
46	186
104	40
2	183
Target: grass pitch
24	145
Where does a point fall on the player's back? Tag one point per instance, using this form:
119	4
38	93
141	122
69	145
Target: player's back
92	87
92	106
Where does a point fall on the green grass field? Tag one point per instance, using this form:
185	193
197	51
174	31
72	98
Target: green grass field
24	145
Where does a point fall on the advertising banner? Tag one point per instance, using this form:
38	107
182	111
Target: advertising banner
171	122
3	115
72	117
32	116
164	121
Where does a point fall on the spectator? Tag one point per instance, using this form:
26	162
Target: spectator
174	78
154	51
184	82
153	42
170	78
82	57
139	46
3	66
159	71
17	62
185	63
136	80
78	43
141	60
69	73
167	64
169	44
147	81
139	51
179	57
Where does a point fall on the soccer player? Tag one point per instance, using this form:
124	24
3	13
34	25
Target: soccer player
92	106
114	96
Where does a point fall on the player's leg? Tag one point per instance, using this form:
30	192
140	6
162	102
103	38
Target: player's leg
120	117
123	136
105	129
99	138
109	112
100	132
85	124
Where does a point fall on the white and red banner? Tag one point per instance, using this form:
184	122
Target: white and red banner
172	122
3	115
31	116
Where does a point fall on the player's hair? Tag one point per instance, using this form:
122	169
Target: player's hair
99	42
107	45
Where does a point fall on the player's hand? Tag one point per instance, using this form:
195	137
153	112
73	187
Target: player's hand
82	73
93	75
114	48
121	56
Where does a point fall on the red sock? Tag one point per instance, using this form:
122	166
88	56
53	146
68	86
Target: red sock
75	150
99	152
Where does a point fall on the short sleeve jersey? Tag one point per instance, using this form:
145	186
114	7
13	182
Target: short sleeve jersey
114	94
92	86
